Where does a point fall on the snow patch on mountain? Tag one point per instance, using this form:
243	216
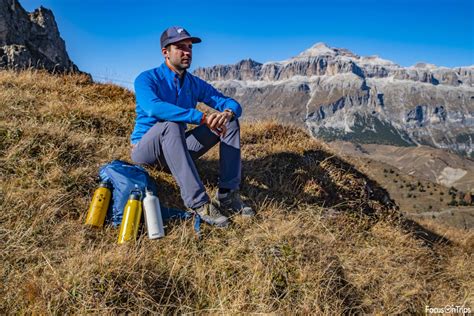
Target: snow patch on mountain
450	175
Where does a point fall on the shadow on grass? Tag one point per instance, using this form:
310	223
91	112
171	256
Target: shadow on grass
314	178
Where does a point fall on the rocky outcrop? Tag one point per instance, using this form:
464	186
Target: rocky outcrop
247	69
339	95
321	60
31	40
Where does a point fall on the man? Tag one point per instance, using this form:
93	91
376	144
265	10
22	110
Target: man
166	99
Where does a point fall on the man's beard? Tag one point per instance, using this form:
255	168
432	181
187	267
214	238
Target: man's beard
179	65
185	66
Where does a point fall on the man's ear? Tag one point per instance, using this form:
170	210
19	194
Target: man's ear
164	52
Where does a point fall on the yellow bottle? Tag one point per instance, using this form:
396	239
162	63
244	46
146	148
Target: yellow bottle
99	205
132	214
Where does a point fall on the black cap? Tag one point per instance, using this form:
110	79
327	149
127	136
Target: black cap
175	34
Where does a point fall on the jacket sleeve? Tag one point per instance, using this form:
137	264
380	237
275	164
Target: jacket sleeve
212	97
149	101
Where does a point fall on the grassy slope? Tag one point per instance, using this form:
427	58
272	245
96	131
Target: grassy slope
323	240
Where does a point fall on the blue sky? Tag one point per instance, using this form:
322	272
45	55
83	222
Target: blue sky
116	40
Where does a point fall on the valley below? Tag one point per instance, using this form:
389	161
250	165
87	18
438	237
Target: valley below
426	183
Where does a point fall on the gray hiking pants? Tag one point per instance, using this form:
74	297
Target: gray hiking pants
168	145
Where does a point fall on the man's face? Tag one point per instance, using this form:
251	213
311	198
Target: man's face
179	54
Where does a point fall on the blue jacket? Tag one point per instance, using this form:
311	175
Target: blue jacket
160	97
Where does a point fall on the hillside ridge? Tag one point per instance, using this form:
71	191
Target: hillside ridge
327	239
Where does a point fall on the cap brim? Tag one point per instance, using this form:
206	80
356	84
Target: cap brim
194	40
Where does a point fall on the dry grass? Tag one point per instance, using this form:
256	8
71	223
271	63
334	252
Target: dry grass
326	240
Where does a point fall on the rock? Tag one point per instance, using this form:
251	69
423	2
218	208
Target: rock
245	70
468	198
31	40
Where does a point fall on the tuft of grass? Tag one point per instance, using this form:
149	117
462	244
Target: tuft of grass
327	239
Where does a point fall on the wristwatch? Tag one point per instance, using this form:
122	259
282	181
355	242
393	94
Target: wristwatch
232	114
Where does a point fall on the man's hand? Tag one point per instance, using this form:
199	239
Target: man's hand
217	122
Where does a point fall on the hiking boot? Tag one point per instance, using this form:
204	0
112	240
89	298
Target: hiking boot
210	214
232	202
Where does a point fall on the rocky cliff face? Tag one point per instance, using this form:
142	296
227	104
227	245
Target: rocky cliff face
339	95
31	40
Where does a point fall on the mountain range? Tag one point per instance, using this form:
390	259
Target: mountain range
339	95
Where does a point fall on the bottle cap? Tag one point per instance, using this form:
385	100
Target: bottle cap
105	184
136	194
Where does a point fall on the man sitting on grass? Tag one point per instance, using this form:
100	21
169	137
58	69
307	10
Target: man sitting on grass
166	99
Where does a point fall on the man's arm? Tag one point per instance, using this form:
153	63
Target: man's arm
210	96
152	105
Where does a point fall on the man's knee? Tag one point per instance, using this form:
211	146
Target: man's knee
233	125
173	129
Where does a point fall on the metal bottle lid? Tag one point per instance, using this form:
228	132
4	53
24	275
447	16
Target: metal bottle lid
105	184
135	195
